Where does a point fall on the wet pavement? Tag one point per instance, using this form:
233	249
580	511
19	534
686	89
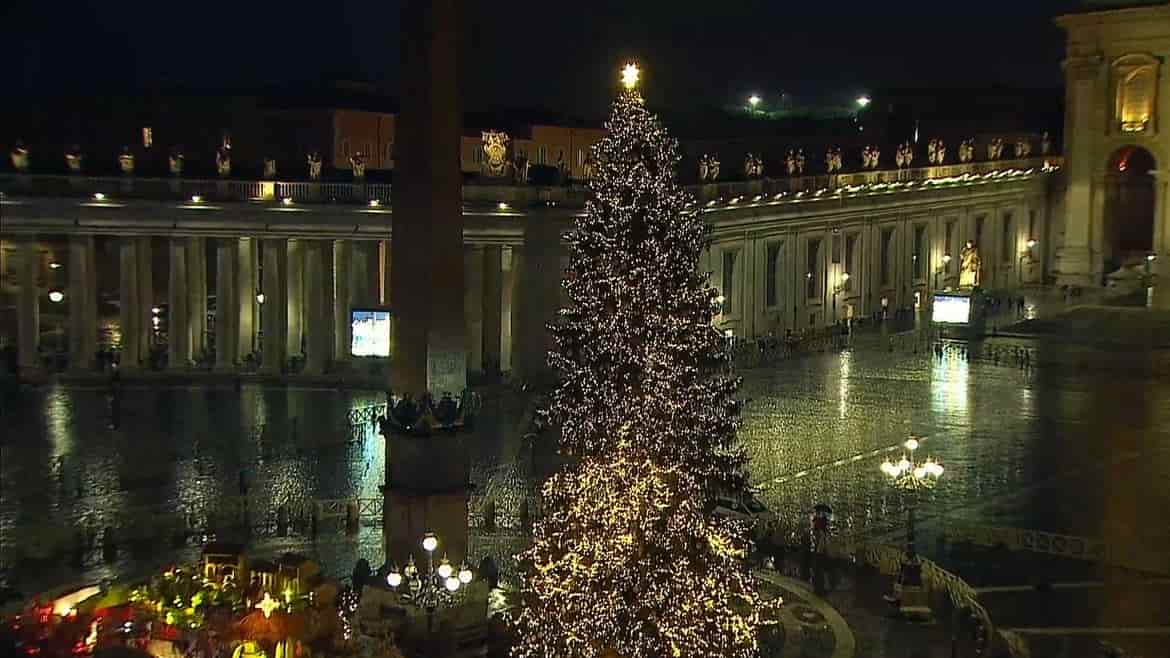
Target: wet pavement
1072	451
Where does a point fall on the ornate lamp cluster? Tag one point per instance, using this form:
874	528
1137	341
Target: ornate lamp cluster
437	586
909	475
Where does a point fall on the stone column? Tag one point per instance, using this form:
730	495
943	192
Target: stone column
246	288
136	297
361	273
275	307
341	327
539	293
178	318
493	309
1074	260
1161	264
197	298
319	347
29	308
227	304
82	299
296	297
430	352
473	306
509	282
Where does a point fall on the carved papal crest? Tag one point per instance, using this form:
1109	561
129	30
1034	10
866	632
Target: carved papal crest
495	151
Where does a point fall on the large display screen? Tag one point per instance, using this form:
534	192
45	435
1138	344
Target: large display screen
952	309
370	331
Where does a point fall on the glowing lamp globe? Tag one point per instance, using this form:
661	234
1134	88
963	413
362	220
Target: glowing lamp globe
445	569
911	444
430	542
394	579
451	584
465	575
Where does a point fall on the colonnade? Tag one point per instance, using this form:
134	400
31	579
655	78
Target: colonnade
235	301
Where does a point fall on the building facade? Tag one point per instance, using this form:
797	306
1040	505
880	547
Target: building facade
1117	142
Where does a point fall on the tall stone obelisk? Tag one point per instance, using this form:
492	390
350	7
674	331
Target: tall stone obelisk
427	476
426	263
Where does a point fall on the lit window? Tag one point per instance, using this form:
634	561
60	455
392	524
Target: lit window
147	137
1135	79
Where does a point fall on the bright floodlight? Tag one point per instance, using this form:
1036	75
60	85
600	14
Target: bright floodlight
754	100
845	276
1031	243
98	196
630	75
863	101
1151	257
196	198
430	542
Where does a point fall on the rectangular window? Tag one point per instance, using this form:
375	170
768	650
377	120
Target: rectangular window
1031	225
836	248
919	256
147	137
773	283
887	242
812	267
850	266
729	258
979	230
1007	243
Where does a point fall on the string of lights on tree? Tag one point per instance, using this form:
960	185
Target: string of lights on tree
628	559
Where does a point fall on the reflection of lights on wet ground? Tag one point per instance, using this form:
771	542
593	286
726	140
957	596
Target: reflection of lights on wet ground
948	387
843	384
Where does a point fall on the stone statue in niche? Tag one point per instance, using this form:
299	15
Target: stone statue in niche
314	160
833	160
175	162
73	159
969	265
269	168
495	152
358	164
126	161
223	162
19	157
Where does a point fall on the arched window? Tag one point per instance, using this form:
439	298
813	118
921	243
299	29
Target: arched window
1135	80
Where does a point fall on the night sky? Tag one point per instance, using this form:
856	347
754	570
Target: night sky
548	55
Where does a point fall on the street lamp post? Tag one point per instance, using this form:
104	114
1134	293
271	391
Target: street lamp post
435	588
911	478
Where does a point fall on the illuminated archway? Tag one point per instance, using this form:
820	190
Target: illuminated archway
1129	206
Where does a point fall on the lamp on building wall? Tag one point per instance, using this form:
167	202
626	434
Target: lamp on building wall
259	297
56	296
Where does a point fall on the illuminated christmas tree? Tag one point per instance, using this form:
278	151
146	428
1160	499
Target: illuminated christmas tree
640	365
626	563
628	560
